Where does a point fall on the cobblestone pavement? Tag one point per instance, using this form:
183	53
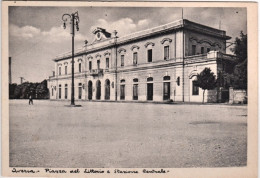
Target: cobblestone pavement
126	135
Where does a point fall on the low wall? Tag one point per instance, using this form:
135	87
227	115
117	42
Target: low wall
212	96
237	96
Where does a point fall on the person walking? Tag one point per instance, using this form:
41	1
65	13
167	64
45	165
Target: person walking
30	100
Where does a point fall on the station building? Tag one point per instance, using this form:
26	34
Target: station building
157	64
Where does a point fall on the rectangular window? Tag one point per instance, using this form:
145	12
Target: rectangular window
208	50
195	88
135	58
79	67
202	50
107	63
150	55
90	65
122	60
193	52
59	70
135	92
166	53
66	70
98	64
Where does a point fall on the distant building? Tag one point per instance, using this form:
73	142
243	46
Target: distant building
157	64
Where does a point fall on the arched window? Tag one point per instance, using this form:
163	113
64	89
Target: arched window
122	81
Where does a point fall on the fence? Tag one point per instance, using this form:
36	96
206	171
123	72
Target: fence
237	96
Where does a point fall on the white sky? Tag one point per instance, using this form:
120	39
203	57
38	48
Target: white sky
37	36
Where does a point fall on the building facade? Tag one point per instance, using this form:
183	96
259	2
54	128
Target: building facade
158	64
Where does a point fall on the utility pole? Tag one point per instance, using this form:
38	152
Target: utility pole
21	79
74	21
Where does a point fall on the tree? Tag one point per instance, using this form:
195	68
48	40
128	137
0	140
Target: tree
206	80
240	76
24	90
42	90
240	48
240	70
11	90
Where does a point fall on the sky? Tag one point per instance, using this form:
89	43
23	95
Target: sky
36	34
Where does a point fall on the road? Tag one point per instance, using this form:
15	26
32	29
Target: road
126	135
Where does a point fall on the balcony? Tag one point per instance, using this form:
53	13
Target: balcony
96	72
212	55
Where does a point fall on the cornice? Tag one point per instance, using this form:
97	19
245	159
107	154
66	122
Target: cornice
157	31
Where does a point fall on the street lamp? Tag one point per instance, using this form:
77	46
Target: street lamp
74	21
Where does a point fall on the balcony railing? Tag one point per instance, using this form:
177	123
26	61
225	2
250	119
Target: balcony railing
95	72
210	55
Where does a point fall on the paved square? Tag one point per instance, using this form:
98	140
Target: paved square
129	135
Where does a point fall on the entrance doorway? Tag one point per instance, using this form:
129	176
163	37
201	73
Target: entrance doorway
80	91
149	91
107	90
90	90
122	92
166	90
98	93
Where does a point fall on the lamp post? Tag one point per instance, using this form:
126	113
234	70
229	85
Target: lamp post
74	21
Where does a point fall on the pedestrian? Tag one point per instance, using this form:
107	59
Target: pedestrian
30	100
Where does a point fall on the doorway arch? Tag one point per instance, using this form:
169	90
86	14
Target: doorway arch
107	89
98	92
90	88
150	88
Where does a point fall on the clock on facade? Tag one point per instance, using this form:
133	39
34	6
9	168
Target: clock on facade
98	36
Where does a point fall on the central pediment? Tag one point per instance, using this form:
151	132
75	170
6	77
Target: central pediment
101	34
